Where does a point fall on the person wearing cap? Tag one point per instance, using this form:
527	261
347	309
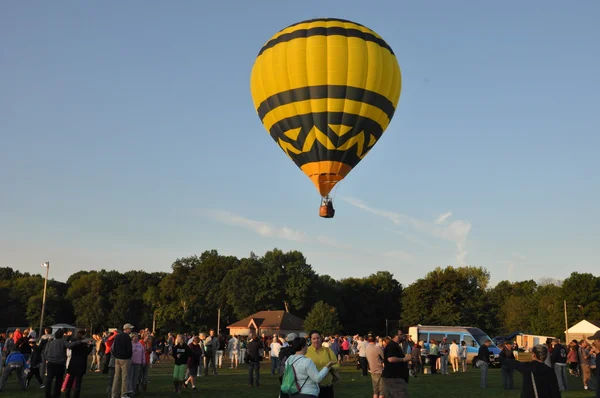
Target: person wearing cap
285	353
122	350
507	371
35	362
595	350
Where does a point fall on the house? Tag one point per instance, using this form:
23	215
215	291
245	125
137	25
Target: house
268	322
583	329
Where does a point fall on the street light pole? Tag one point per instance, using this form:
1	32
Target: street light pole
47	265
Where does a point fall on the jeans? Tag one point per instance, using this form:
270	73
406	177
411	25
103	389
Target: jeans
507	378
444	364
135	372
8	369
210	361
484	372
274	365
254	368
561	374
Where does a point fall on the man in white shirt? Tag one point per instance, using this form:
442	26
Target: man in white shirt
234	351
275	349
362	354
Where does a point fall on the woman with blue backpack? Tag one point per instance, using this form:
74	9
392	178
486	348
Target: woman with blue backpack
301	377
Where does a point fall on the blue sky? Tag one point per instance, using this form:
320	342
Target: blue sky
129	139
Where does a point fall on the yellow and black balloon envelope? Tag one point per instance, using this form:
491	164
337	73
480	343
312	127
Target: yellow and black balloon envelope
326	90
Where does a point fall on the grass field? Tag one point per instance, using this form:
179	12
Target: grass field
233	383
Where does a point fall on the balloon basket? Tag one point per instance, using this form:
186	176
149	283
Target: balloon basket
326	211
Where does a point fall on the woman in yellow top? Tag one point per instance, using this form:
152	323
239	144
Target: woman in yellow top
321	356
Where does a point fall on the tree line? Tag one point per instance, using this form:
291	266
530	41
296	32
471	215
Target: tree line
188	298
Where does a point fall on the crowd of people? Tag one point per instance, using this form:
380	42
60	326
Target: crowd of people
306	366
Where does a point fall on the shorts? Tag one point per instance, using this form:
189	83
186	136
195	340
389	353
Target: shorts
179	372
395	387
377	383
193	370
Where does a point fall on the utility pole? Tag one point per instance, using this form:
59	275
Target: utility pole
566	323
47	265
219	322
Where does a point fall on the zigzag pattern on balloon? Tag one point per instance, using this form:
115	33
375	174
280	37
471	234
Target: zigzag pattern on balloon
326	89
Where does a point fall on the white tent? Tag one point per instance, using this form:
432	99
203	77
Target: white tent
583	329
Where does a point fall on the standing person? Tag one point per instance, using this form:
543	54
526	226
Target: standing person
444	352
507	371
122	350
462	355
56	355
307	377
454	356
559	363
42	344
321	356
194	358
77	365
539	380
35	362
362	354
584	361
483	362
180	356
375	361
416	359
138	360
395	368
255	355
433	355
275	348
211	345
595	350
233	347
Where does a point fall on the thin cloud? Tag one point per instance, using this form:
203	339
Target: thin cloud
442	219
456	231
399	255
262	228
411	238
325	240
270	230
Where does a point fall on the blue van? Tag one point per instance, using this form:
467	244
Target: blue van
472	336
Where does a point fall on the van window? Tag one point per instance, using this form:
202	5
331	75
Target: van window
436	336
424	337
455	337
470	341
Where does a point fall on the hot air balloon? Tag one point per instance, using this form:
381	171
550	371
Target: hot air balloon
326	90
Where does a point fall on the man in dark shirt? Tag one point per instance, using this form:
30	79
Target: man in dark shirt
558	359
395	370
254	354
122	350
507	371
483	362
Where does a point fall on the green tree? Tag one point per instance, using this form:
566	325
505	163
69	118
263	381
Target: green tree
324	318
582	293
447	296
89	301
